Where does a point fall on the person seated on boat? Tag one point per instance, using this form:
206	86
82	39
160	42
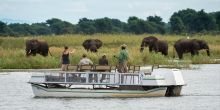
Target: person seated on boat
103	61
65	61
86	61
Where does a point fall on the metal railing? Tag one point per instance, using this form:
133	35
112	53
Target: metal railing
97	78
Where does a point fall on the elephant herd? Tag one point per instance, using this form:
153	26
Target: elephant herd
34	46
181	46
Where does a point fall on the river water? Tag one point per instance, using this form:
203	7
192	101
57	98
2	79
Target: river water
201	93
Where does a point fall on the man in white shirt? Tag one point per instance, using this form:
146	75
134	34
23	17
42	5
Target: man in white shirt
85	60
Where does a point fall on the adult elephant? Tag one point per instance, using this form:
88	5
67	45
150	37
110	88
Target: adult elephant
92	45
34	46
154	45
190	45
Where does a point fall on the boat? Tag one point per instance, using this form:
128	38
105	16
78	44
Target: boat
101	84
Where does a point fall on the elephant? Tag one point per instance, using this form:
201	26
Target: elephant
92	45
154	45
190	45
34	46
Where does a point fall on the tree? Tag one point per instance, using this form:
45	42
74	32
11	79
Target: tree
60	27
103	25
177	25
5	30
134	25
22	29
194	21
41	28
204	22
157	23
216	16
118	26
86	26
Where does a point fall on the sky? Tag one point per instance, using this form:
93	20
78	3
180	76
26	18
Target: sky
32	11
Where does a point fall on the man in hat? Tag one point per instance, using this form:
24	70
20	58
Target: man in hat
122	59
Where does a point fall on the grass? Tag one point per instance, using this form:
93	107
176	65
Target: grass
12	50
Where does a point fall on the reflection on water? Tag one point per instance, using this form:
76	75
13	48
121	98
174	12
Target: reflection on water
202	92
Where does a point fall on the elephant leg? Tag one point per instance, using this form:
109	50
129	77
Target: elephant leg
180	54
165	53
150	49
193	53
197	52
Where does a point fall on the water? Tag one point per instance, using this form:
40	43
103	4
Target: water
201	93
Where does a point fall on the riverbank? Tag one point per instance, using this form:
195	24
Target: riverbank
12	51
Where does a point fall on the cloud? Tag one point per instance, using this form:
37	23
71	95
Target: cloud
73	10
77	7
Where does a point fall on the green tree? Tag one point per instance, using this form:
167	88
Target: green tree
103	25
177	25
60	27
22	29
41	28
5	30
204	22
157	23
86	26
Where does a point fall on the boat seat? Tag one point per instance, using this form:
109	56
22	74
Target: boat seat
134	68
73	68
131	68
85	68
102	68
137	69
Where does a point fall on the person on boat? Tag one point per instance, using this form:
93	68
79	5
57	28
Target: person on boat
65	61
122	59
85	60
103	61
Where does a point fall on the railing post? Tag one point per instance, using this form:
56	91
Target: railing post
65	77
87	77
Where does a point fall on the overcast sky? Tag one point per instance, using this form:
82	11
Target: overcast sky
73	10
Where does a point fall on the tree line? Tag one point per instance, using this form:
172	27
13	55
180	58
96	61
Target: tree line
187	21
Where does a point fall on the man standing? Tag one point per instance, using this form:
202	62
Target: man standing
122	59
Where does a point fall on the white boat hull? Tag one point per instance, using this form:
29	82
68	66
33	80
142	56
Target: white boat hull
40	91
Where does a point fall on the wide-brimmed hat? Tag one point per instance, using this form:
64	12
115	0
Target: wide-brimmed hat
123	45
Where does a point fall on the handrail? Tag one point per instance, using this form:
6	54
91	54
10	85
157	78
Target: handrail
85	78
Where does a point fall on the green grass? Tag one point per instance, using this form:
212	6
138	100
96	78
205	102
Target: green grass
12	50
